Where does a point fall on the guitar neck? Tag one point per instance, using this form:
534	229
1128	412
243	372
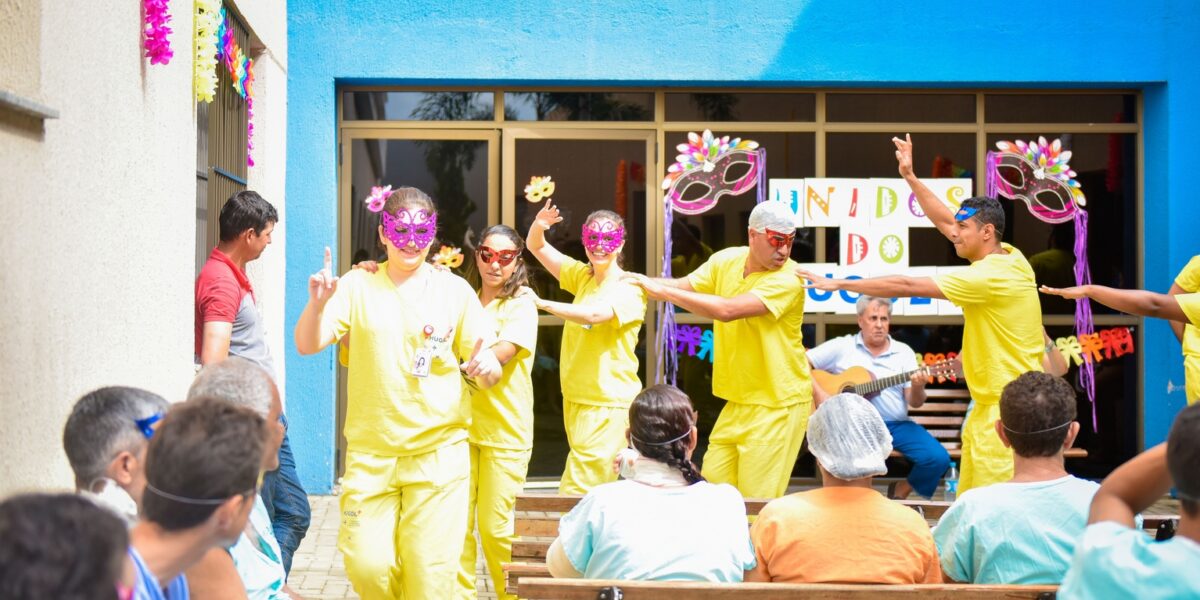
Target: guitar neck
879	385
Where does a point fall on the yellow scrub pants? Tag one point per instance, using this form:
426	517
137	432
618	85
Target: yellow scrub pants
595	434
754	447
497	476
1191	377
399	515
985	460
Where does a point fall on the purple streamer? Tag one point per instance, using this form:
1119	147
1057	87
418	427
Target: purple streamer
1083	308
991	180
668	361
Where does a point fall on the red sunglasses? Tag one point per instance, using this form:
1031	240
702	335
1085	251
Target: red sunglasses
779	240
504	257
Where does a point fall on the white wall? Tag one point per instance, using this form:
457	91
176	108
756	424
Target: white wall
98	210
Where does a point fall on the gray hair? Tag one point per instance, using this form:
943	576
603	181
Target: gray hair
103	424
864	301
237	381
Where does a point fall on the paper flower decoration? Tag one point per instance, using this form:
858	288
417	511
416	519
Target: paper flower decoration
204	69
1039	174
704	161
449	257
378	198
155	40
539	188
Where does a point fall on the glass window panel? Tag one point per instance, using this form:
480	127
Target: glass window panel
901	108
417	106
1060	108
452	172
1107	169
587	175
578	106
696	237
717	106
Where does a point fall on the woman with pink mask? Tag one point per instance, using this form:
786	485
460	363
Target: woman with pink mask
598	367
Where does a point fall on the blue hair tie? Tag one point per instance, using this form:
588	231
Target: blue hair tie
146	425
965	212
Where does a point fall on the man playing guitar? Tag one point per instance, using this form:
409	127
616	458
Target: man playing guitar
875	350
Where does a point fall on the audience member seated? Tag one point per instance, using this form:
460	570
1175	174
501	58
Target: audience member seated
105	438
1022	531
664	521
845	531
62	547
202	473
253	566
1115	558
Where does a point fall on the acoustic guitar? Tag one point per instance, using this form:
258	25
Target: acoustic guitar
859	380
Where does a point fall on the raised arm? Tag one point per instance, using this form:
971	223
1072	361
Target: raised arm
535	241
937	212
321	287
891	286
679	292
1134	302
1132	488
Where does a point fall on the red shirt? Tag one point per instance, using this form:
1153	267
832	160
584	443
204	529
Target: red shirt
220	289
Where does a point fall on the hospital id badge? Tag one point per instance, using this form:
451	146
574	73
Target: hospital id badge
420	365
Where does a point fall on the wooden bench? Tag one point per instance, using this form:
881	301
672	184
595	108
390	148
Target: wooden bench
541	588
943	414
537	517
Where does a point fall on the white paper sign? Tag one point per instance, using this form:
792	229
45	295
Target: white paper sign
790	192
835	202
874	249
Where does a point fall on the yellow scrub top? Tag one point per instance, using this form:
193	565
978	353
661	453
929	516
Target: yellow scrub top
502	415
757	360
1002	331
1189	280
598	366
389	410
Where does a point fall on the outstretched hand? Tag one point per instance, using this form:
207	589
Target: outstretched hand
483	362
548	216
653	288
904	155
369	266
323	283
1070	293
817	282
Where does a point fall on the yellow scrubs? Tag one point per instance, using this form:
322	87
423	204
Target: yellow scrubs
760	369
599	375
405	489
1002	338
501	440
1189	280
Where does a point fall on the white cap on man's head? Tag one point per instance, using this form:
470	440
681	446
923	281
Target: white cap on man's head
849	438
773	215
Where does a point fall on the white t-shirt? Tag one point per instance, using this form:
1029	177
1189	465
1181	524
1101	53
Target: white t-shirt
629	530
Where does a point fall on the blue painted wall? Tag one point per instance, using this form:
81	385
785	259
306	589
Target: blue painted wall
1150	45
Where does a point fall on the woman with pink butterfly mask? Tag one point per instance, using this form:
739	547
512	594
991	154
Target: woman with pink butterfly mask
416	331
598	368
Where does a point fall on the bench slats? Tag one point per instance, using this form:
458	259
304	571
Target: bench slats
926	421
940	407
539	588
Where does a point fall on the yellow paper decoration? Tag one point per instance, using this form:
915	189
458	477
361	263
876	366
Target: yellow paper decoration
539	188
204	69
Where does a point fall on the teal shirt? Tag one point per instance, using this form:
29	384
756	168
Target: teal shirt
1014	533
256	557
1114	561
627	530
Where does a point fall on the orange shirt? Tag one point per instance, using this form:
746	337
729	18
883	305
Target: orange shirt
843	535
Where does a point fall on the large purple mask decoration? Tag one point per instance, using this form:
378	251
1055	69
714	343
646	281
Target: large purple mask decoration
1039	174
603	236
418	226
703	165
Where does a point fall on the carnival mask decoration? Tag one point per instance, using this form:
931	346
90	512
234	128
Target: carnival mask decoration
416	225
603	236
704	164
1038	174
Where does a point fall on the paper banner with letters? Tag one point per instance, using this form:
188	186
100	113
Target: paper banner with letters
843	302
840	202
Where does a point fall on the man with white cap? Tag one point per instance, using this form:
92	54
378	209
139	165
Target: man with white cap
873	539
759	365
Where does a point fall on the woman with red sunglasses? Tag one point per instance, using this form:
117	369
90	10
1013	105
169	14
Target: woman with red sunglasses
597	368
501	431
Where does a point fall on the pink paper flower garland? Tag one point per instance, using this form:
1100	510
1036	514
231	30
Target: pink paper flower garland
155	31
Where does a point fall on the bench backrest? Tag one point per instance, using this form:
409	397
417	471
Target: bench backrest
538	588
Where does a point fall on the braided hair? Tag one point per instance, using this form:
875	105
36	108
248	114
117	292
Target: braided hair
660	425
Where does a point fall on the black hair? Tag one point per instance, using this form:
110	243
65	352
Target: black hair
660	421
60	546
245	210
1036	411
1183	458
520	274
102	424
988	212
206	449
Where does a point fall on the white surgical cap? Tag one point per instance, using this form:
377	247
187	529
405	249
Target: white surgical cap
848	437
773	215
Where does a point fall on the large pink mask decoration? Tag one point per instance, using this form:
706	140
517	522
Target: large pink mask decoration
603	236
1039	175
417	225
704	163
